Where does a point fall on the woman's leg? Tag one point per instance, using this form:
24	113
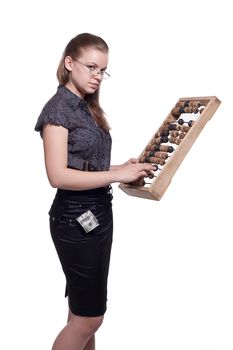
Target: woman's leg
69	316
78	334
91	342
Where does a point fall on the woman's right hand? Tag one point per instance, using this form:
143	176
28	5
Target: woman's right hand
132	171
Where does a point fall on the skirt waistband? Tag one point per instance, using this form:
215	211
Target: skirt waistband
67	202
96	194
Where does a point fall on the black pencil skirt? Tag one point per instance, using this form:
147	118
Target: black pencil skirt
81	226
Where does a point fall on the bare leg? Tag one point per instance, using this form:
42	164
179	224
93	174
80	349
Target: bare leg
78	334
91	342
69	316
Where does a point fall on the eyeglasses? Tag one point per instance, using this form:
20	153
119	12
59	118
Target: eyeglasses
94	70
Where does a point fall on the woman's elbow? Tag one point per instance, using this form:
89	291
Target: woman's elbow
54	184
54	181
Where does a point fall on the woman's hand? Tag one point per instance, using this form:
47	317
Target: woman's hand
133	170
130	161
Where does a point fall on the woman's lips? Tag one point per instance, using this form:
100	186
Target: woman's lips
94	84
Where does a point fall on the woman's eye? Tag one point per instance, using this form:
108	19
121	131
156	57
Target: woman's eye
92	67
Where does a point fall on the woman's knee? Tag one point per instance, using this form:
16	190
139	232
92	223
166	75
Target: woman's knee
87	325
93	323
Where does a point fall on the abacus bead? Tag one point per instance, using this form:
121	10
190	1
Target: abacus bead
170	119
185	128
172	127
190	123
161	154
172	139
175	112
157	140
164	139
165	133
157	161
163	148
170	149
181	110
181	121
182	135
195	110
174	133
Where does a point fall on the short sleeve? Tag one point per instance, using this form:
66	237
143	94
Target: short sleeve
51	118
53	113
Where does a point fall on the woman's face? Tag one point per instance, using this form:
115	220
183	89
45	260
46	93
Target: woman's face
86	71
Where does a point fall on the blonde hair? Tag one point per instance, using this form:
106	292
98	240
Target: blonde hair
73	49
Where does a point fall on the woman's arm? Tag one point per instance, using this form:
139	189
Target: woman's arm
55	151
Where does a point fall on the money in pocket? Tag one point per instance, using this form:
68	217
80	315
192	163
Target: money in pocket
88	221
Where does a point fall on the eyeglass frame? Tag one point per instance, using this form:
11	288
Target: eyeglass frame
92	70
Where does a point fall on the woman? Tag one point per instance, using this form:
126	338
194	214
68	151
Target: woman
77	147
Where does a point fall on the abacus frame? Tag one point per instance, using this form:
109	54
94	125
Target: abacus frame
159	185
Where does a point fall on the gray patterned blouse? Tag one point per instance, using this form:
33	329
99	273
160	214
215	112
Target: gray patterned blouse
89	146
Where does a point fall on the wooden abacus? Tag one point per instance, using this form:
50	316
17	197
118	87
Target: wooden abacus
170	144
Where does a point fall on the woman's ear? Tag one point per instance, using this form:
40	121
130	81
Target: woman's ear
68	63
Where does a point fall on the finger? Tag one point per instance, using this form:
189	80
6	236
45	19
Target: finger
147	167
151	167
132	161
142	173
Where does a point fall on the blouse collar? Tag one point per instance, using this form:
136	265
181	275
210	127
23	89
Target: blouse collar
73	100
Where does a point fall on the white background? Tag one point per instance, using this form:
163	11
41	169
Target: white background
170	283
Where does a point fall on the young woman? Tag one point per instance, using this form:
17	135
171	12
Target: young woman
77	147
